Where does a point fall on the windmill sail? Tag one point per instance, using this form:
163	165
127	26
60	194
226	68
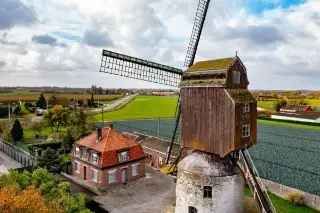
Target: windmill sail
136	68
199	20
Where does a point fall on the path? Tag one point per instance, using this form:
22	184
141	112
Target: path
114	104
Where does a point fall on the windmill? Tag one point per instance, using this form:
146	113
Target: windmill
218	117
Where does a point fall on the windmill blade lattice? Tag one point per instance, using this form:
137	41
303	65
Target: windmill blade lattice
136	68
199	20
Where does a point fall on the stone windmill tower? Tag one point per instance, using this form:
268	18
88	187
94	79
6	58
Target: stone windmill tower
218	117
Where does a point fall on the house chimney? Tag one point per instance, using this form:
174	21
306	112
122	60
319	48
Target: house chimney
99	133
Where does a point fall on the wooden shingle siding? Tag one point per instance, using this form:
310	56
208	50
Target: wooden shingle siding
207	119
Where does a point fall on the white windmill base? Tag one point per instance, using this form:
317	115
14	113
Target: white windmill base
198	170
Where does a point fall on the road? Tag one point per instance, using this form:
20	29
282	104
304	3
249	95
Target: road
114	104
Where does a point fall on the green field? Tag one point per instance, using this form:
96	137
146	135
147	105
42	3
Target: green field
268	105
284	206
143	107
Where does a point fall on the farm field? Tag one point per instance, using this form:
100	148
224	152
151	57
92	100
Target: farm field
26	96
143	107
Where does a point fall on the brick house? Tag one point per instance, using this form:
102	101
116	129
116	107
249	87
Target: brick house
107	157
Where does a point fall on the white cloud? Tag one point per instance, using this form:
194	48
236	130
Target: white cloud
279	47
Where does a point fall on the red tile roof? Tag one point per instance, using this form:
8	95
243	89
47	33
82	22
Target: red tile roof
111	143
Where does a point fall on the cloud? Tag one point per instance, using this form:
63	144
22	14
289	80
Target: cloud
259	35
15	13
277	45
2	64
97	39
46	40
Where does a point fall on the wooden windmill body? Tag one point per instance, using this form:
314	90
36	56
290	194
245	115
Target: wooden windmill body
218	111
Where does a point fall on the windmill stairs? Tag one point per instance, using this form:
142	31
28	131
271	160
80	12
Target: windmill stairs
257	188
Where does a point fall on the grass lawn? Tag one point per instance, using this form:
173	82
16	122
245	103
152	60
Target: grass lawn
269	105
284	206
29	134
143	107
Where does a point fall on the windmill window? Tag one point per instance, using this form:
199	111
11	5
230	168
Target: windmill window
207	191
246	108
245	130
192	209
236	77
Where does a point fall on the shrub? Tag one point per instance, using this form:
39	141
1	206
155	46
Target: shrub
296	198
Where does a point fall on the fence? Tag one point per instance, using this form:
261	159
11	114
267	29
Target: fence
289	156
17	154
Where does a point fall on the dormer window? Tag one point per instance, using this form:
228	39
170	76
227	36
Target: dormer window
123	156
95	158
246	108
236	77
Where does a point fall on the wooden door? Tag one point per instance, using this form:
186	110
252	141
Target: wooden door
84	172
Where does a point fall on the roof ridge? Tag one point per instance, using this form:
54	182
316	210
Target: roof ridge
108	133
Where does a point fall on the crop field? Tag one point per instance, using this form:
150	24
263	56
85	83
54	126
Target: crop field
33	96
289	155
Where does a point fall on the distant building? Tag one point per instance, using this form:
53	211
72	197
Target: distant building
312	117
107	157
296	108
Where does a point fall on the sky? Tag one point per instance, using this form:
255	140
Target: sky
59	42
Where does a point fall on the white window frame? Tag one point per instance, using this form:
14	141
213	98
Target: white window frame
123	156
246	108
112	178
245	131
135	169
94	176
95	158
77	165
77	151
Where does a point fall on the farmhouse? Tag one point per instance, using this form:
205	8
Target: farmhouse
107	157
312	117
296	108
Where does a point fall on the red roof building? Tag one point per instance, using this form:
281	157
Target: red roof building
107	157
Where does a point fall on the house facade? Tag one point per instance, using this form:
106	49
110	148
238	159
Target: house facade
107	157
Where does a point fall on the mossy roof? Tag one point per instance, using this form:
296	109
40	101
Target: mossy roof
203	82
241	95
216	64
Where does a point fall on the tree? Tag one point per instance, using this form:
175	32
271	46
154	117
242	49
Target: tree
37	127
28	200
53	100
16	131
57	117
91	101
41	102
279	104
49	159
